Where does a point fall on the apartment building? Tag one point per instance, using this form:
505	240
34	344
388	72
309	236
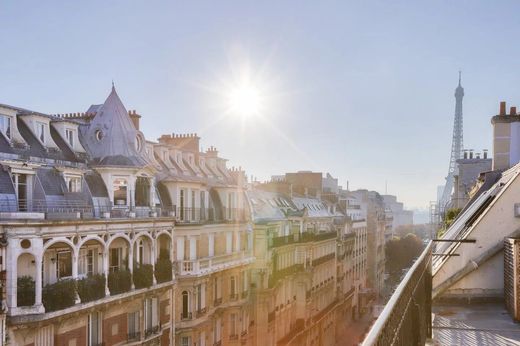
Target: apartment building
110	239
304	270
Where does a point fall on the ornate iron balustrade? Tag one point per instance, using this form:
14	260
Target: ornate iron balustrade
406	318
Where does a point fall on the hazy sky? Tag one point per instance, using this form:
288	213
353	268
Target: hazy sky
363	90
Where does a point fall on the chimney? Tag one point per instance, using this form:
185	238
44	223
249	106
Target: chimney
503	108
512	111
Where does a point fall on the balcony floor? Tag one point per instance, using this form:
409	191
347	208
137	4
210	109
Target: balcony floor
475	324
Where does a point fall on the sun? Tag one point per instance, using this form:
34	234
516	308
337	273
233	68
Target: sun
245	100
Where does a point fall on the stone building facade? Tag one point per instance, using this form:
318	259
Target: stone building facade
107	238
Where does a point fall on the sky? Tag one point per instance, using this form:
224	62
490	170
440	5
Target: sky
363	90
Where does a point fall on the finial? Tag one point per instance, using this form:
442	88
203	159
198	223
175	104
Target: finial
460	73
113	87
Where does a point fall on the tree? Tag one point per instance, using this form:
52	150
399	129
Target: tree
401	252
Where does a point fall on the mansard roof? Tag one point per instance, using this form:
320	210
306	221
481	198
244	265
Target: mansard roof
111	138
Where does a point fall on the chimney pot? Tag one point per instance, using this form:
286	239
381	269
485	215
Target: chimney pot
503	108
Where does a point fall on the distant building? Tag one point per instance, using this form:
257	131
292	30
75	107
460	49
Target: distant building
399	216
469	169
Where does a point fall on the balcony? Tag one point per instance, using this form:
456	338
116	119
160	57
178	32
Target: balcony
207	265
280	274
186	316
133	336
207	215
149	332
297	238
71	209
406	318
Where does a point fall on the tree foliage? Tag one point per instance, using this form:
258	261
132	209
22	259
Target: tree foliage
401	252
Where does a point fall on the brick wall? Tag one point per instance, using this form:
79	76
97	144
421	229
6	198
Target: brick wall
73	337
115	329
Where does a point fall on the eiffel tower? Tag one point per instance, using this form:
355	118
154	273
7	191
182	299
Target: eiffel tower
456	149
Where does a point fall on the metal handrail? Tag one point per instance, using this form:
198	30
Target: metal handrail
378	328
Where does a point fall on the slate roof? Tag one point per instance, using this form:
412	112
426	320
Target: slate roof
117	145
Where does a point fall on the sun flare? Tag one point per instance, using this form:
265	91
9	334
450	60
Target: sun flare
245	100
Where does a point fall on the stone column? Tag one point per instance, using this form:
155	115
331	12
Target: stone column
154	259
106	270
131	264
38	281
75	261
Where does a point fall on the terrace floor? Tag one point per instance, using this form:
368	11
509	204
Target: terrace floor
475	324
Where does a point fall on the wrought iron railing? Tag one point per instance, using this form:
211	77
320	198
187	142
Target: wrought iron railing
406	318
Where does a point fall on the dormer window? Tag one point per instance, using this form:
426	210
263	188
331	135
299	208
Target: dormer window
69	135
138	143
40	131
5	125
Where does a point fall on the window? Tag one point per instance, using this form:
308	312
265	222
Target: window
199	297
217	330
186	341
181	204
94	329
87	261
73	183
202	205
185	305
133	326
99	135
64	264
232	288
69	135
116	255
193	194
217	289
245	320
40	131
120	192
138	143
151	320
232	325
5	125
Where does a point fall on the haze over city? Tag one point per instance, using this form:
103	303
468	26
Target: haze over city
363	91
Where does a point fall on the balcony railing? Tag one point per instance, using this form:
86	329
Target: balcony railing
133	336
209	264
81	208
406	318
186	316
152	331
209	215
304	237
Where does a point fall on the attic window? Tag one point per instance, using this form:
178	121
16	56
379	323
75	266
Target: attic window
138	143
40	131
69	134
99	135
5	125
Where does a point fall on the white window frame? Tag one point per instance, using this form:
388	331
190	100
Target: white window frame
70	134
99	327
6	125
40	130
